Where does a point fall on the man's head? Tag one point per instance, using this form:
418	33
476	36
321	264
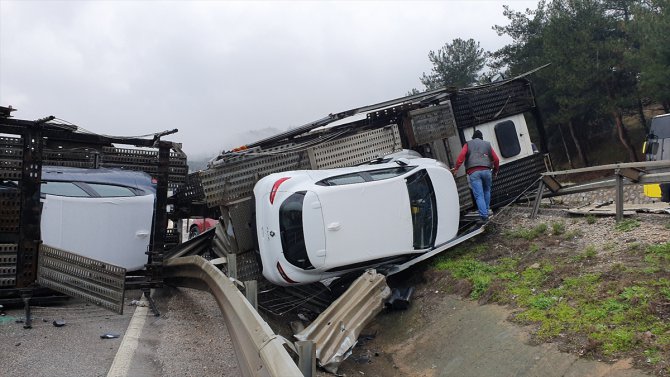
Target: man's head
477	135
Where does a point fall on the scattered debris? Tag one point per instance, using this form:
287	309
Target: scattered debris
138	303
109	336
58	323
297	326
399	299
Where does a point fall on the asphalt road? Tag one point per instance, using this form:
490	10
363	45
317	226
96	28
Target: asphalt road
190	339
75	349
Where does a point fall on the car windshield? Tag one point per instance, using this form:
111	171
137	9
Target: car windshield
290	227
423	209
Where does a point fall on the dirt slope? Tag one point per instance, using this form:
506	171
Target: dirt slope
447	333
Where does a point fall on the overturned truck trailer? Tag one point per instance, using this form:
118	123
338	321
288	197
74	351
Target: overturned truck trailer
434	123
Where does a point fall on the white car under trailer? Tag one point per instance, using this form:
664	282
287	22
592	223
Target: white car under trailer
317	224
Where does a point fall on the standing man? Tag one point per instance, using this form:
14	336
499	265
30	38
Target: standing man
479	158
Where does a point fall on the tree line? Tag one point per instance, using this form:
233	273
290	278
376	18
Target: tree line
608	59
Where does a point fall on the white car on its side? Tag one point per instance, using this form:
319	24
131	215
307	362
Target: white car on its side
318	224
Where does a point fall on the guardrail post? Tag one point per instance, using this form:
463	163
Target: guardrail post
251	292
538	199
306	357
619	195
232	265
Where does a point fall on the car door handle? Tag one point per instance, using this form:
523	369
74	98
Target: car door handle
334	227
142	233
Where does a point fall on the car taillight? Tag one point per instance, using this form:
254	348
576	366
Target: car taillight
283	274
275	187
154	181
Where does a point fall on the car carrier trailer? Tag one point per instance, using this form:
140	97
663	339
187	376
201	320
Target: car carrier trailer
434	123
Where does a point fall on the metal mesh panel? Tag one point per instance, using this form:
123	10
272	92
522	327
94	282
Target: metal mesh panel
8	265
11	158
515	177
71	158
247	267
8	141
172	236
241	217
356	149
86	278
190	191
231	181
10	211
481	105
433	123
146	161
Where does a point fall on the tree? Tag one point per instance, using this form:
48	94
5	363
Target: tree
456	64
592	79
653	21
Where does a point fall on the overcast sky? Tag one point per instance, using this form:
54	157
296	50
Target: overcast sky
217	70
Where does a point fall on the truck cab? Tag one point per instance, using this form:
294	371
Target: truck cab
657	148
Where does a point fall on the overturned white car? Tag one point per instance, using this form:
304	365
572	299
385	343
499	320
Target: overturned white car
317	224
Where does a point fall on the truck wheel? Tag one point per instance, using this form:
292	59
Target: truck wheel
665	192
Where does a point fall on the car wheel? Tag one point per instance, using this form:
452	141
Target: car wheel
193	232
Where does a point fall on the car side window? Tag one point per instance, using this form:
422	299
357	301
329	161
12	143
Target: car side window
365	176
107	191
423	209
62	189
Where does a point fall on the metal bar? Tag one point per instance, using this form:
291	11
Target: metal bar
538	199
644	164
435	251
20	127
232	265
259	351
251	292
619	196
29	226
609	183
157	246
306	357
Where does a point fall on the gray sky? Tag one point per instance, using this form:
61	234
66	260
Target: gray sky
220	70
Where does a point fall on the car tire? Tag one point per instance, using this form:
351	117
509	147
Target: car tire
193	232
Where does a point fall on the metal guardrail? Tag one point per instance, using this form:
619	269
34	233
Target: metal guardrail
259	351
624	174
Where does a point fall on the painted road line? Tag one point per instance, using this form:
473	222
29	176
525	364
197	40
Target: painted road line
121	364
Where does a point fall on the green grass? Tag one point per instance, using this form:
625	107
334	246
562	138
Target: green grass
563	300
557	228
591	219
528	233
573	234
589	253
627	225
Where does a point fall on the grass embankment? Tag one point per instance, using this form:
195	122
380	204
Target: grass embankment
609	310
